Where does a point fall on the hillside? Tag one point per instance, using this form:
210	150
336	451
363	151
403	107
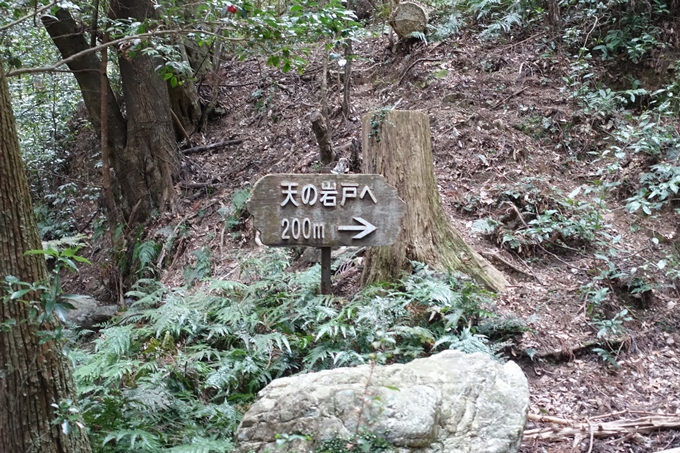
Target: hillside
523	174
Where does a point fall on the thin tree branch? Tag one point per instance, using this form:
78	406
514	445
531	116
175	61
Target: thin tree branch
204	148
53	68
27	16
419	60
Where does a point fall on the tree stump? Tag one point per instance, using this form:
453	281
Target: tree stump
409	17
323	138
397	145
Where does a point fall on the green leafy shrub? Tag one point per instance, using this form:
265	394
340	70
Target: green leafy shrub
233	214
539	216
178	369
659	188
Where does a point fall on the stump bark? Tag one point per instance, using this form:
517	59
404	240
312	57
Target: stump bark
397	145
409	17
323	138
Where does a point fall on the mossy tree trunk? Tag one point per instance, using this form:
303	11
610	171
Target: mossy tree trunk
151	153
34	376
397	145
142	148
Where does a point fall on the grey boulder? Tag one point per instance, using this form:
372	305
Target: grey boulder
448	403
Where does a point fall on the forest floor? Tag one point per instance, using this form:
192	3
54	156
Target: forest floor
501	122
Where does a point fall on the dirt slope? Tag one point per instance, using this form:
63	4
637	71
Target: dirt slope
500	120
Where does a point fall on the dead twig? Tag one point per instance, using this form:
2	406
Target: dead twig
548	419
419	60
159	263
195	185
180	128
603	429
499	258
507	98
204	148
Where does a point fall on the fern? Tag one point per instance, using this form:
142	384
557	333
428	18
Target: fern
451	26
201	269
137	440
143	256
73	242
151	395
419	35
116	340
501	25
469	343
171	373
180	315
203	445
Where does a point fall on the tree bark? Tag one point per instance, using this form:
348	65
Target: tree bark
150	158
184	102
70	40
323	138
397	145
33	376
143	151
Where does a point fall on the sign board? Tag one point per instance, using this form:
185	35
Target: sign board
326	210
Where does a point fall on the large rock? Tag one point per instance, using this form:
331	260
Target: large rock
449	403
88	313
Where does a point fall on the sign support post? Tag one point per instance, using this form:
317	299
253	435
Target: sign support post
325	211
325	270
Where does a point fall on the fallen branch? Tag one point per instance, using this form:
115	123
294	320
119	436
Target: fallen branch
507	98
599	429
500	259
419	60
195	185
204	148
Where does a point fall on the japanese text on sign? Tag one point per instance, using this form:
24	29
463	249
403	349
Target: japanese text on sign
327	196
326	210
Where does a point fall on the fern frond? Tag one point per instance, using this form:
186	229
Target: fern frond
419	35
138	440
68	241
144	253
151	395
115	340
203	445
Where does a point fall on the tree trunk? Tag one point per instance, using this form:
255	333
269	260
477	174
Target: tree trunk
70	40
33	376
143	151
323	138
553	12
150	158
397	145
184	103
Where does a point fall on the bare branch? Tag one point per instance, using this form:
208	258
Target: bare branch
27	16
55	66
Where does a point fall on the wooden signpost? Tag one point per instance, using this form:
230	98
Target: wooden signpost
326	210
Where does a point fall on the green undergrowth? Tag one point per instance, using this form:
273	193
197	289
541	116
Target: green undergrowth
178	369
531	217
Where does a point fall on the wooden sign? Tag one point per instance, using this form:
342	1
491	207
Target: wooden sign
326	210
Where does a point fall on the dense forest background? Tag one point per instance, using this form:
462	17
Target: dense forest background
143	126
